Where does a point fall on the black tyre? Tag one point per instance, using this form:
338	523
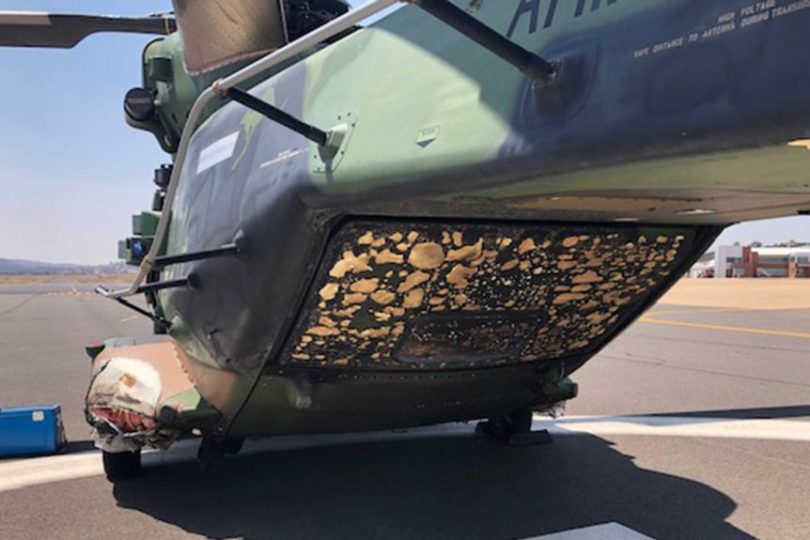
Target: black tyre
121	465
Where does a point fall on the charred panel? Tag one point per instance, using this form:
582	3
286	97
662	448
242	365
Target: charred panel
394	295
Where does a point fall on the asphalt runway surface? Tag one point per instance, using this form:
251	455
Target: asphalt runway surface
693	424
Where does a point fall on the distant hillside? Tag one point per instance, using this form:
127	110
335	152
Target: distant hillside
23	267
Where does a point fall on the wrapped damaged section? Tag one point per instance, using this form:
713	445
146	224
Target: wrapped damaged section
140	395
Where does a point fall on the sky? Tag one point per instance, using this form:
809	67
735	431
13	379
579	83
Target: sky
72	172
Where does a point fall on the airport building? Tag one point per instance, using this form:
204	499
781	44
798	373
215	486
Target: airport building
754	262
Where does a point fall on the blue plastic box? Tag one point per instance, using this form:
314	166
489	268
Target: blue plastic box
31	430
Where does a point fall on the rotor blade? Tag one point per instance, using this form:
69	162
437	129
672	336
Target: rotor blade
19	29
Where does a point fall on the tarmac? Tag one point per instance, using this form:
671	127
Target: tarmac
693	424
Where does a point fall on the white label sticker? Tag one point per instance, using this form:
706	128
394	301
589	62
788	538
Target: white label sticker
37	416
217	152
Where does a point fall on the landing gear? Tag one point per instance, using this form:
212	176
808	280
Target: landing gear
514	429
121	465
503	427
233	446
213	450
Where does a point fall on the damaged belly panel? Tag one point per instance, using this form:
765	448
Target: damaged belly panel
444	295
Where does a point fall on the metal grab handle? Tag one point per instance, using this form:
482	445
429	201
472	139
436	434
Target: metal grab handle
220	87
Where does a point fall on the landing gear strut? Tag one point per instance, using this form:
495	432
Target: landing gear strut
213	450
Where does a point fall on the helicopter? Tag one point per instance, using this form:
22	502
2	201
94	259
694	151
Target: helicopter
438	216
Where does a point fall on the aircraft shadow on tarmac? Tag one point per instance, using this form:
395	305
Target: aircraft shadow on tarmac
456	487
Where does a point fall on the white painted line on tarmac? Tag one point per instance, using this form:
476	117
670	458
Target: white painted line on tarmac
681	426
605	531
35	471
45	470
28	472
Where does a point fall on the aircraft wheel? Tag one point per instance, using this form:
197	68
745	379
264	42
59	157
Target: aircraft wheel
121	465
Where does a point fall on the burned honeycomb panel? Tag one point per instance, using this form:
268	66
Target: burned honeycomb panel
460	338
392	295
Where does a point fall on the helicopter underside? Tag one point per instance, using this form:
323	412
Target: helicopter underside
410	323
418	322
